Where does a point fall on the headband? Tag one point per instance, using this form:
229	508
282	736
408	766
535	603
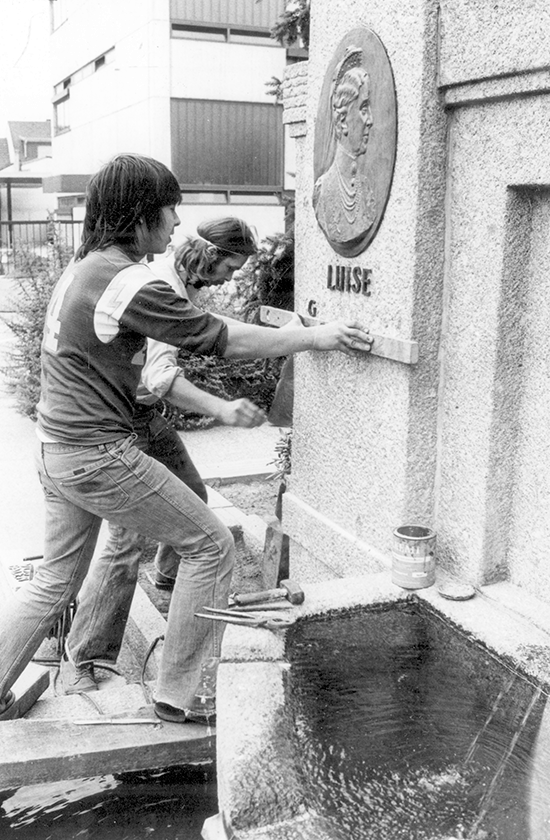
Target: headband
219	247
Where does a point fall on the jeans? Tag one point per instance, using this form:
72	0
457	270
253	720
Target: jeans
118	482
105	598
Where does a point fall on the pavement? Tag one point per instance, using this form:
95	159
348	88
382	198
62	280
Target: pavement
220	453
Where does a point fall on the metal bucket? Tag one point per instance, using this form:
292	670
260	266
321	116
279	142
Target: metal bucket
413	557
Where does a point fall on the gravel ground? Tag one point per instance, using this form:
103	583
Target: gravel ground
258	497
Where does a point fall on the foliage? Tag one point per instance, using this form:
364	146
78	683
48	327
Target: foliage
292	27
274	87
293	24
36	277
229	379
269	278
283	456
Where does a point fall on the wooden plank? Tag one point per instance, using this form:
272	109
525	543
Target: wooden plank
275	560
34	751
28	687
397	349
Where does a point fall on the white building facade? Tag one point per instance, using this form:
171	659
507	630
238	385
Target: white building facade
183	81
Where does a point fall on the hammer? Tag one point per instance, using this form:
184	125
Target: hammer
287	589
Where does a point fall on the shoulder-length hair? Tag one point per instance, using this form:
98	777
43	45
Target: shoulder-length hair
198	256
127	190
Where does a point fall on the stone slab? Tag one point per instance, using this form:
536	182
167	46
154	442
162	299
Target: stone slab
35	751
116	698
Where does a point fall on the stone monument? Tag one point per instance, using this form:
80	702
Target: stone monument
436	231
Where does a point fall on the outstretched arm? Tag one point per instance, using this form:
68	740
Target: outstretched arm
163	377
241	412
248	341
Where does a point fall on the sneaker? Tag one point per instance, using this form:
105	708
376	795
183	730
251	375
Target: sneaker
163	582
169	713
77	678
6	704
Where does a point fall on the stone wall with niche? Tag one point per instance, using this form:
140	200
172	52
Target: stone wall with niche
458	440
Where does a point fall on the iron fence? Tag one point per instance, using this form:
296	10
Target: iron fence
21	240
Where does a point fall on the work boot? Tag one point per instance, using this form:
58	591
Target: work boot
164	582
77	678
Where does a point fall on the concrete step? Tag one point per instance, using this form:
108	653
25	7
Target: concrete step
43	750
117	698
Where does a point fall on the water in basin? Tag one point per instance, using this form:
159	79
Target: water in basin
410	731
166	804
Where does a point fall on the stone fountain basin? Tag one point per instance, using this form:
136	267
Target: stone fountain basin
260	784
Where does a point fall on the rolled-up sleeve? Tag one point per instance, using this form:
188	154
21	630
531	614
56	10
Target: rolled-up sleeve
161	367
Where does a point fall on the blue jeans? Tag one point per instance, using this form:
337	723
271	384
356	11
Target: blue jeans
118	482
105	598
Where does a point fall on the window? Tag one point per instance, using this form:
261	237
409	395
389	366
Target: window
33	149
226	34
61	114
82	73
62	90
59	12
200	33
249	36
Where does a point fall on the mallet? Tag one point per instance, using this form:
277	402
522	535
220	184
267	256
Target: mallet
288	589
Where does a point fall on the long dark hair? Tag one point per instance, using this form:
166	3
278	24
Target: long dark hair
128	189
197	257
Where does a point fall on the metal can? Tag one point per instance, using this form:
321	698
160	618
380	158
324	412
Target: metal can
413	556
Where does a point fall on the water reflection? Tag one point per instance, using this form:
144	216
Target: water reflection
169	804
409	731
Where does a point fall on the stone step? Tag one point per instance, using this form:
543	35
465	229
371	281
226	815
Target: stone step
48	750
116	698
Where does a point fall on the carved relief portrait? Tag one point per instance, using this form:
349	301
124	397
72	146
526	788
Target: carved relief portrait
355	143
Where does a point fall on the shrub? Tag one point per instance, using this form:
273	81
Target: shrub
228	379
36	277
293	24
269	278
283	456
291	28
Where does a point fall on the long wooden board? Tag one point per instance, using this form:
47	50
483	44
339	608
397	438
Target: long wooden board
398	349
33	751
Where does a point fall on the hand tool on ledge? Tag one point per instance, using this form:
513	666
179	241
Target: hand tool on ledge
288	589
247	619
264	606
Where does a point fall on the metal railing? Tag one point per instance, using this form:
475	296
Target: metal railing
21	240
